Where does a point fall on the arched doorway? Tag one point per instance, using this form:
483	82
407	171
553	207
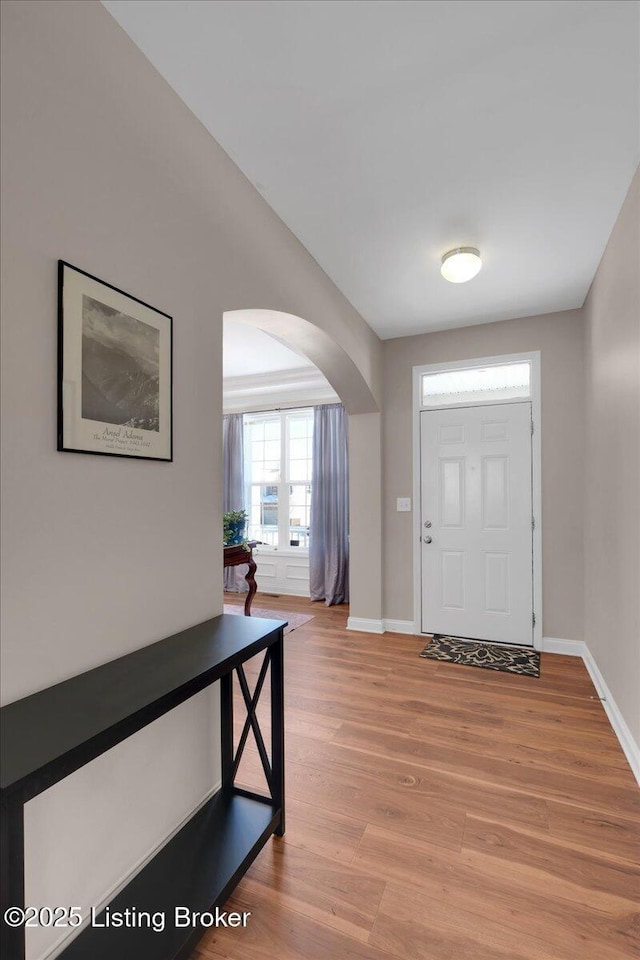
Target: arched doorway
365	496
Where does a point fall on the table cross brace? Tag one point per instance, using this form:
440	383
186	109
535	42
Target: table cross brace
251	722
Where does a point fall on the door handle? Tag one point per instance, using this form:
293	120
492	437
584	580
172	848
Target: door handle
427	540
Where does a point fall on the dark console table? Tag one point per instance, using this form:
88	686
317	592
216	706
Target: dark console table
46	736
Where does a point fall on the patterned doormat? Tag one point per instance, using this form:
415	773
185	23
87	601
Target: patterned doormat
492	656
294	620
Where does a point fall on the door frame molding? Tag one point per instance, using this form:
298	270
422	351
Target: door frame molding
535	398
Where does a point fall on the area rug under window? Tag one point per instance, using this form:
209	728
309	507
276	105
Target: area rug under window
491	656
295	620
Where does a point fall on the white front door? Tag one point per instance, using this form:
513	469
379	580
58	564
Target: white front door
476	522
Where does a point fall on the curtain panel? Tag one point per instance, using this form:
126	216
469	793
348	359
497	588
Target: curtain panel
233	485
329	532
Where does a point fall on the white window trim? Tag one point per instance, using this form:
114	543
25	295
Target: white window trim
283	516
535	398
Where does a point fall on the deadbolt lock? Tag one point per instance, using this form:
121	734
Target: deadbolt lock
427	523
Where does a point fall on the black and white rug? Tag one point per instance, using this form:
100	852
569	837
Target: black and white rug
476	653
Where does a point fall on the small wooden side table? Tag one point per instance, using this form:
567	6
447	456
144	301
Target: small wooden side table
236	555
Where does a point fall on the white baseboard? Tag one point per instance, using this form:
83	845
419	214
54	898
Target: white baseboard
56	949
629	746
365	626
578	648
399	626
381	626
569	648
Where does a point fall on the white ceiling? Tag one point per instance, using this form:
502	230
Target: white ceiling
385	133
260	372
248	351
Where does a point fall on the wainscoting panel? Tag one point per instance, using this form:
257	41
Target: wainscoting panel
282	572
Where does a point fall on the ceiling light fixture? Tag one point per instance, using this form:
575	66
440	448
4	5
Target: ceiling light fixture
461	264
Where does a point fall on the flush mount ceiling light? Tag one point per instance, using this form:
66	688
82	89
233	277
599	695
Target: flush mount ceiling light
461	264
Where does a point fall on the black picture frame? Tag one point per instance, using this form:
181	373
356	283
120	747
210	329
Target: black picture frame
115	371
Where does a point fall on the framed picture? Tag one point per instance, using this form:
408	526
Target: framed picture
115	376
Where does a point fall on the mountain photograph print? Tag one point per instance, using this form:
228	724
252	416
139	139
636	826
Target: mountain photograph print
115	371
120	382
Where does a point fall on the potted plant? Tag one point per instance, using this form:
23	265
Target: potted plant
233	526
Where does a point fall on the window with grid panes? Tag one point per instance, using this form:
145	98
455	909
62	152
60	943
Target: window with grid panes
277	463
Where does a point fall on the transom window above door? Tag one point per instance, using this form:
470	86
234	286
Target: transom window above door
503	381
277	465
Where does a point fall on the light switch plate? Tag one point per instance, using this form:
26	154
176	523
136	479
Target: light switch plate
403	504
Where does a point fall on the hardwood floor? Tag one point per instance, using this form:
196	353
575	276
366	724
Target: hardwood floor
438	812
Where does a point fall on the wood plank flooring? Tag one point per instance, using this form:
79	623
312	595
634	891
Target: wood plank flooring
438	812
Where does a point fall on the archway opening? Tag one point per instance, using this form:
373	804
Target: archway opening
309	341
278	367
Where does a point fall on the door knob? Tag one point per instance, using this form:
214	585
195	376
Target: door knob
427	539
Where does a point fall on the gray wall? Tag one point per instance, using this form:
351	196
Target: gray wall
612	512
366	545
105	167
559	337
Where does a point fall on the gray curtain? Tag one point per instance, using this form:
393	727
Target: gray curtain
233	485
329	534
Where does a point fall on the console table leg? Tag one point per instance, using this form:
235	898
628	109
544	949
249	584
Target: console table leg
226	726
253	586
12	939
277	728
